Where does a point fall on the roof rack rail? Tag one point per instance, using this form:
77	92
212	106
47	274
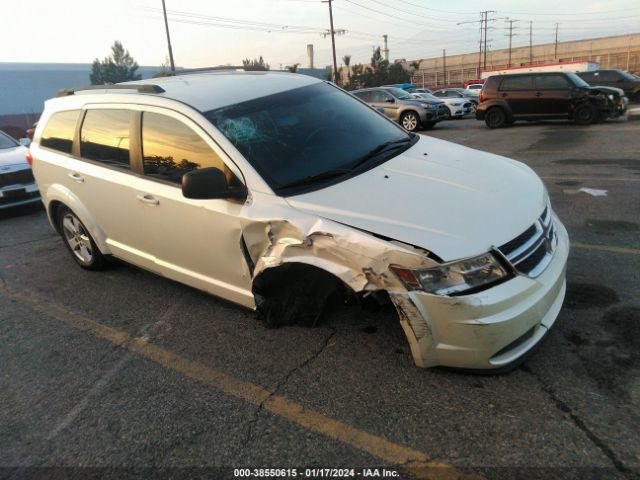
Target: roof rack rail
139	87
187	71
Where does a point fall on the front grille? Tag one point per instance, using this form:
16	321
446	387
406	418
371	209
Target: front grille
21	177
531	251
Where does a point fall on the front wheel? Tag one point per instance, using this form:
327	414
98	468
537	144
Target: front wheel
495	117
410	121
447	114
585	114
78	241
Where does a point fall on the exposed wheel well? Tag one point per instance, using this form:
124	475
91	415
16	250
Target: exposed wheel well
295	293
54	206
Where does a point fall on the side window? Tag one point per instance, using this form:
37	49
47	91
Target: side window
104	137
551	82
524	82
588	76
59	131
378	96
364	96
170	149
610	76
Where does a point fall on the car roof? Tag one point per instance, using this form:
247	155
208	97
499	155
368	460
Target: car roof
211	90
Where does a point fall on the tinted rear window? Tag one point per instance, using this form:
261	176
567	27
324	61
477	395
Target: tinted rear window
59	132
104	137
517	83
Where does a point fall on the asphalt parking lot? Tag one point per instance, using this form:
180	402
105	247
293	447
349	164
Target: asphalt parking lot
122	371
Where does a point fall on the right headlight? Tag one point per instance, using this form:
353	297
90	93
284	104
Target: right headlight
454	277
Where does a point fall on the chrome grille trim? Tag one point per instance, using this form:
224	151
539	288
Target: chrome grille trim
534	248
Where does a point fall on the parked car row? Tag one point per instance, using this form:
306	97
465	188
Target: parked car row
401	106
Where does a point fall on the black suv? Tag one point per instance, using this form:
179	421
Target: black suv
614	78
546	95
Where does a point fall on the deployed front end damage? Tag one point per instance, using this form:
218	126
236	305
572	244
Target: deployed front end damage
297	267
297	264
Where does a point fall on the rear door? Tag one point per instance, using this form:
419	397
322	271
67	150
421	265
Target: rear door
553	94
100	174
518	92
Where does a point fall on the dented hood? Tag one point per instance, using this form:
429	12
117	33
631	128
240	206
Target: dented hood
446	198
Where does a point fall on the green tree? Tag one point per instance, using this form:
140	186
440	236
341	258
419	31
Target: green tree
257	64
397	74
347	62
118	67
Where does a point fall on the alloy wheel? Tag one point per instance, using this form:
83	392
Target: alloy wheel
77	238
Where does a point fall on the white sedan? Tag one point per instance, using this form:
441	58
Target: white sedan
456	107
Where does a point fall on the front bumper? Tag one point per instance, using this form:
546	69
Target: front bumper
17	195
491	329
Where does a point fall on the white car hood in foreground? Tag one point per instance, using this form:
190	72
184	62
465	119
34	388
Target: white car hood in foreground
13	157
451	200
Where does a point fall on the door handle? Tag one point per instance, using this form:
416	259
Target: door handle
76	177
538	94
148	199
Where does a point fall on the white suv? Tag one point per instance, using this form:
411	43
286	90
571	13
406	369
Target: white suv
274	190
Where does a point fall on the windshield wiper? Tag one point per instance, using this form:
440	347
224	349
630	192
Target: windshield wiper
320	176
380	149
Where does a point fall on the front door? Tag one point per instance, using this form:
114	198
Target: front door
197	242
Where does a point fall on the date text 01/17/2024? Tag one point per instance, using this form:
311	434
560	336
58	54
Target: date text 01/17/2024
315	473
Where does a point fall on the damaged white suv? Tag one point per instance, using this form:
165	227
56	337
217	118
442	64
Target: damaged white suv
273	190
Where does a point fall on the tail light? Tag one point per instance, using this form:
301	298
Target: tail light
29	159
481	97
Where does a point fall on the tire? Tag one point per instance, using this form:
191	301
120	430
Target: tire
495	117
78	241
447	114
410	121
585	114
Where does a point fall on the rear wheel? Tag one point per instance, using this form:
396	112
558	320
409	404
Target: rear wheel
585	114
495	117
410	121
78	241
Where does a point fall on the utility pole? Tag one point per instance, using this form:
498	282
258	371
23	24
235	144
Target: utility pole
480	52
166	26
510	35
555	54
333	43
486	23
483	30
530	42
444	64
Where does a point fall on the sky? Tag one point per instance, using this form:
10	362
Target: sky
219	32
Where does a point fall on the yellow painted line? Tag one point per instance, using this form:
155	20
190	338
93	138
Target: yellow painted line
606	248
593	179
415	462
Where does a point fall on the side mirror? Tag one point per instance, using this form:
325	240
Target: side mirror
25	142
209	183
